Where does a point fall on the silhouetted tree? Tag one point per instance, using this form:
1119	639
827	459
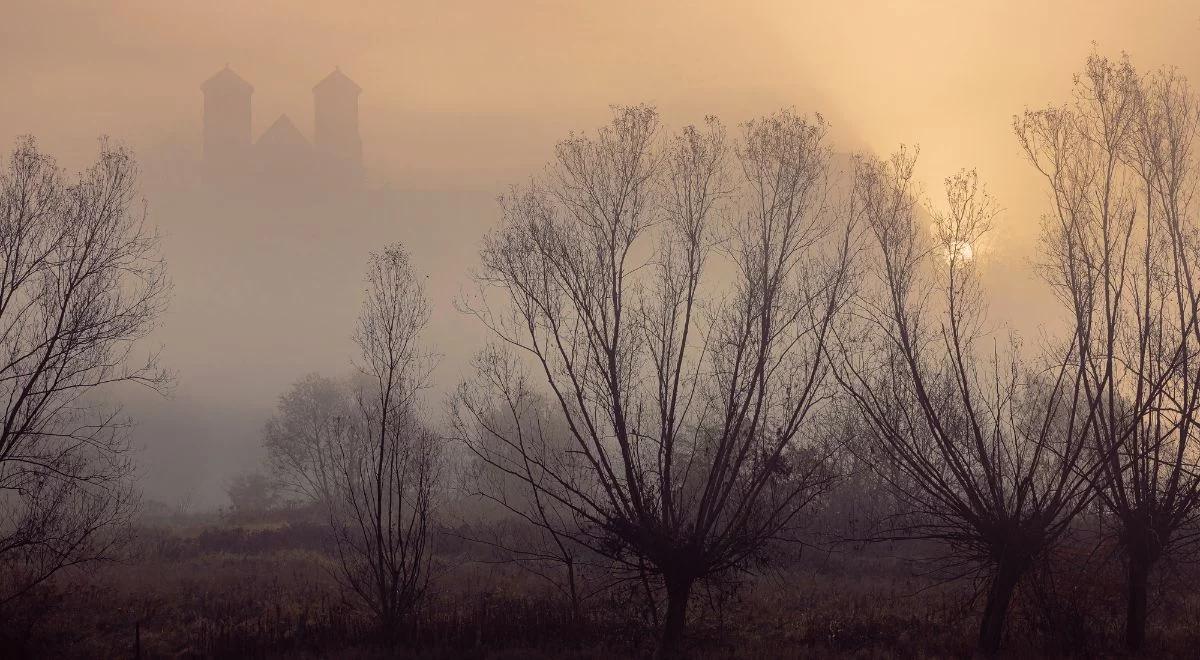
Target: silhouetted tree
1122	252
81	281
359	450
381	472
986	452
688	412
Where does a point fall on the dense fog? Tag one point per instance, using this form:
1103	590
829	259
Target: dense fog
460	102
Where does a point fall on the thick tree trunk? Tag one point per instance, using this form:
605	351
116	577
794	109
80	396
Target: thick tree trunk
991	628
1135	614
678	592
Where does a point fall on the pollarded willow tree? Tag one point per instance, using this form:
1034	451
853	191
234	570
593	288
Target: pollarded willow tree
1119	163
673	300
81	282
985	449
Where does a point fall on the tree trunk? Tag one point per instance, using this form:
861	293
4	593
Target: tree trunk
991	628
1135	614
574	590
678	591
651	604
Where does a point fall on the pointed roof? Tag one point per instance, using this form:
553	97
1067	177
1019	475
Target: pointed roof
226	80
337	82
283	133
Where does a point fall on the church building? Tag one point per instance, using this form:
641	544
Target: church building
282	154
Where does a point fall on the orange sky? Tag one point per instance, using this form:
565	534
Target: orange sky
463	93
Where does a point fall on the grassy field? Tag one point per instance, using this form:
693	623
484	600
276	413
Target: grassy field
212	587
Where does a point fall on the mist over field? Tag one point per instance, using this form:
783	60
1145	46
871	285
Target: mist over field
461	102
642	302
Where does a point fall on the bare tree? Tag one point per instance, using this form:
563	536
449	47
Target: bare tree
308	420
688	412
381	472
986	453
1122	253
81	283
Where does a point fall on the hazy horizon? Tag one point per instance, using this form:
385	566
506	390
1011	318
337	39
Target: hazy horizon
460	101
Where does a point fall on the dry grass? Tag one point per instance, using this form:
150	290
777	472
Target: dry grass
265	590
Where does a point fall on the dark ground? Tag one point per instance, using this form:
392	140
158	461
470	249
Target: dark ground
208	586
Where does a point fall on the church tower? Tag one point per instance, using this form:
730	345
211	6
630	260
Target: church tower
336	138
226	125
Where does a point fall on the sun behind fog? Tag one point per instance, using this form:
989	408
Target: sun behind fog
952	249
962	251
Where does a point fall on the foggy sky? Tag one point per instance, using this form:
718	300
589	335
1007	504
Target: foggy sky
462	99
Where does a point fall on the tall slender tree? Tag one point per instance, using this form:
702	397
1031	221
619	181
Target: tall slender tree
359	449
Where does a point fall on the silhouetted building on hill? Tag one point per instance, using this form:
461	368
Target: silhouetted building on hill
282	154
226	126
